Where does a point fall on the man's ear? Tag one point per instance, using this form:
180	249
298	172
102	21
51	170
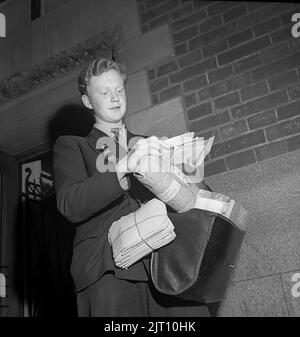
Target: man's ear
86	101
124	76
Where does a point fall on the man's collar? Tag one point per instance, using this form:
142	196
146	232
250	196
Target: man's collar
107	127
95	134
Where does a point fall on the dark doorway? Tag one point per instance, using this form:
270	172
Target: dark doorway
48	239
11	294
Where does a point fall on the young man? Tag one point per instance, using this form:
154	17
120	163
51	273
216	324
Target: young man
94	198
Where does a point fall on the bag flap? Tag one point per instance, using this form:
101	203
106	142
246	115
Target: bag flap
175	266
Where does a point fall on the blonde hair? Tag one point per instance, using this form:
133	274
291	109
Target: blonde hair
96	68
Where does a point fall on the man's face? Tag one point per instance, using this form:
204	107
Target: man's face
106	96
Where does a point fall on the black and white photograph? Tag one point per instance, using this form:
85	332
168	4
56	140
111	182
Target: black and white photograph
149	162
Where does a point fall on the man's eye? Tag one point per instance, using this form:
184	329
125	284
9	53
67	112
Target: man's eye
104	93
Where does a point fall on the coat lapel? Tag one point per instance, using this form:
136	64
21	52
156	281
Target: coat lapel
92	138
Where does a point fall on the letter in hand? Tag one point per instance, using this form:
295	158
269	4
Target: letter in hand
148	148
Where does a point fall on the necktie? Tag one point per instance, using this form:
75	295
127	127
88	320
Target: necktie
116	132
123	179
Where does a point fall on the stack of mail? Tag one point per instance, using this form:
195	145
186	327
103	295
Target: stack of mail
139	233
172	173
188	154
223	205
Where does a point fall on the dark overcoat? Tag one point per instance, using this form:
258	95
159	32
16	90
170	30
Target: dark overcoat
94	200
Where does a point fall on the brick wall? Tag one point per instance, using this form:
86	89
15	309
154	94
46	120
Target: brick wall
236	67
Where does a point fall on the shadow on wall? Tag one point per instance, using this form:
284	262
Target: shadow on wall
71	119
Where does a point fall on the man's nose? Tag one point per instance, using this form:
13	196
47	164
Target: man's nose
115	96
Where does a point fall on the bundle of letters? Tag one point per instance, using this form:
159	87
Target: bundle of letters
139	233
223	205
172	173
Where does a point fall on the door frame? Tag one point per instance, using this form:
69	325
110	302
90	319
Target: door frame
22	158
9	222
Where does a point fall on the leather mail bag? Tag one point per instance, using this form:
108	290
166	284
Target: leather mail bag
198	264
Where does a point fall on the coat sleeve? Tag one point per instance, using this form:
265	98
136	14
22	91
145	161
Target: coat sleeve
80	196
